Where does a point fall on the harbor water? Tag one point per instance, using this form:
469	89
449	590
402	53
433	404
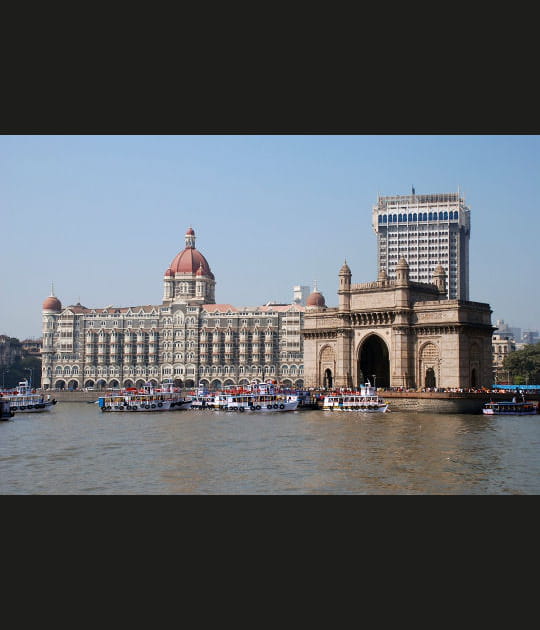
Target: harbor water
76	449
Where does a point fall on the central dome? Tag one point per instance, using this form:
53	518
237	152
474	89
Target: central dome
189	260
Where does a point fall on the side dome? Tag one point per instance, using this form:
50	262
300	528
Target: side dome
52	303
316	299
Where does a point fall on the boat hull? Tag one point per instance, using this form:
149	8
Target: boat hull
262	408
145	407
378	409
491	412
32	408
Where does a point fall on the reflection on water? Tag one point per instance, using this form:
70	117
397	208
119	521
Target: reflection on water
76	449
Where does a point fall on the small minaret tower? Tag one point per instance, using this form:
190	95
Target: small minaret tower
190	238
439	280
402	283
344	291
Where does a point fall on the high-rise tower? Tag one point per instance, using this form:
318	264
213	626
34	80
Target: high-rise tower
426	230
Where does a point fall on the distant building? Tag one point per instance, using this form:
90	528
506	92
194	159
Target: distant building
300	295
502	344
530	336
428	231
504	331
31	346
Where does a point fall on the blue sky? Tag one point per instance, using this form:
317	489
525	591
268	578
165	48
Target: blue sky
103	216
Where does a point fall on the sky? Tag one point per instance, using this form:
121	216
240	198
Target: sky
103	216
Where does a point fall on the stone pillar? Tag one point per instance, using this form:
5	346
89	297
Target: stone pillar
401	364
343	376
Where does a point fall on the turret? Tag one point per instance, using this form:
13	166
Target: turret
402	283
344	291
402	273
439	280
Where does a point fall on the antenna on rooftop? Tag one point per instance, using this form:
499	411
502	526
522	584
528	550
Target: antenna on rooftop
413	190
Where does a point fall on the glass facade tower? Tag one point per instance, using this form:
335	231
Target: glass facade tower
427	230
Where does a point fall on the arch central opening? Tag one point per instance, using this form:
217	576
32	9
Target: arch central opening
374	362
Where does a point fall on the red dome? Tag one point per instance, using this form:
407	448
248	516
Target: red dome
190	231
169	272
315	299
188	261
52	303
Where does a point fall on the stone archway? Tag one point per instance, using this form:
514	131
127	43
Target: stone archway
327	367
474	365
429	365
431	380
328	379
373	362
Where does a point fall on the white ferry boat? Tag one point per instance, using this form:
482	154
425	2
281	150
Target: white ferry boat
24	399
366	400
149	398
261	397
205	399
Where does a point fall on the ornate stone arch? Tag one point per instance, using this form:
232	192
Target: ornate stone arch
429	365
327	366
372	361
475	364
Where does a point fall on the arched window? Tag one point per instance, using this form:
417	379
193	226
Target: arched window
430	216
445	216
394	218
384	218
410	217
440	216
400	218
425	216
415	217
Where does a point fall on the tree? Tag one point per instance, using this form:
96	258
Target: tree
524	365
23	366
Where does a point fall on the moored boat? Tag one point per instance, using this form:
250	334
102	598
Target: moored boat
365	400
512	407
149	398
261	397
509	408
24	399
205	399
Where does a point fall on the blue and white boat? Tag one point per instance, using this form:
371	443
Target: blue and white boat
25	399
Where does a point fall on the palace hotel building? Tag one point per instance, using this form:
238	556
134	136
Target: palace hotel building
188	338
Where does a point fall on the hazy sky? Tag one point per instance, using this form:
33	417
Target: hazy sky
103	216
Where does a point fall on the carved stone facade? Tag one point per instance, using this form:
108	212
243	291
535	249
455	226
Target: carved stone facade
398	333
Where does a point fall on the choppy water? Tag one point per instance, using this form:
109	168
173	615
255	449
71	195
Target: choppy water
76	449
